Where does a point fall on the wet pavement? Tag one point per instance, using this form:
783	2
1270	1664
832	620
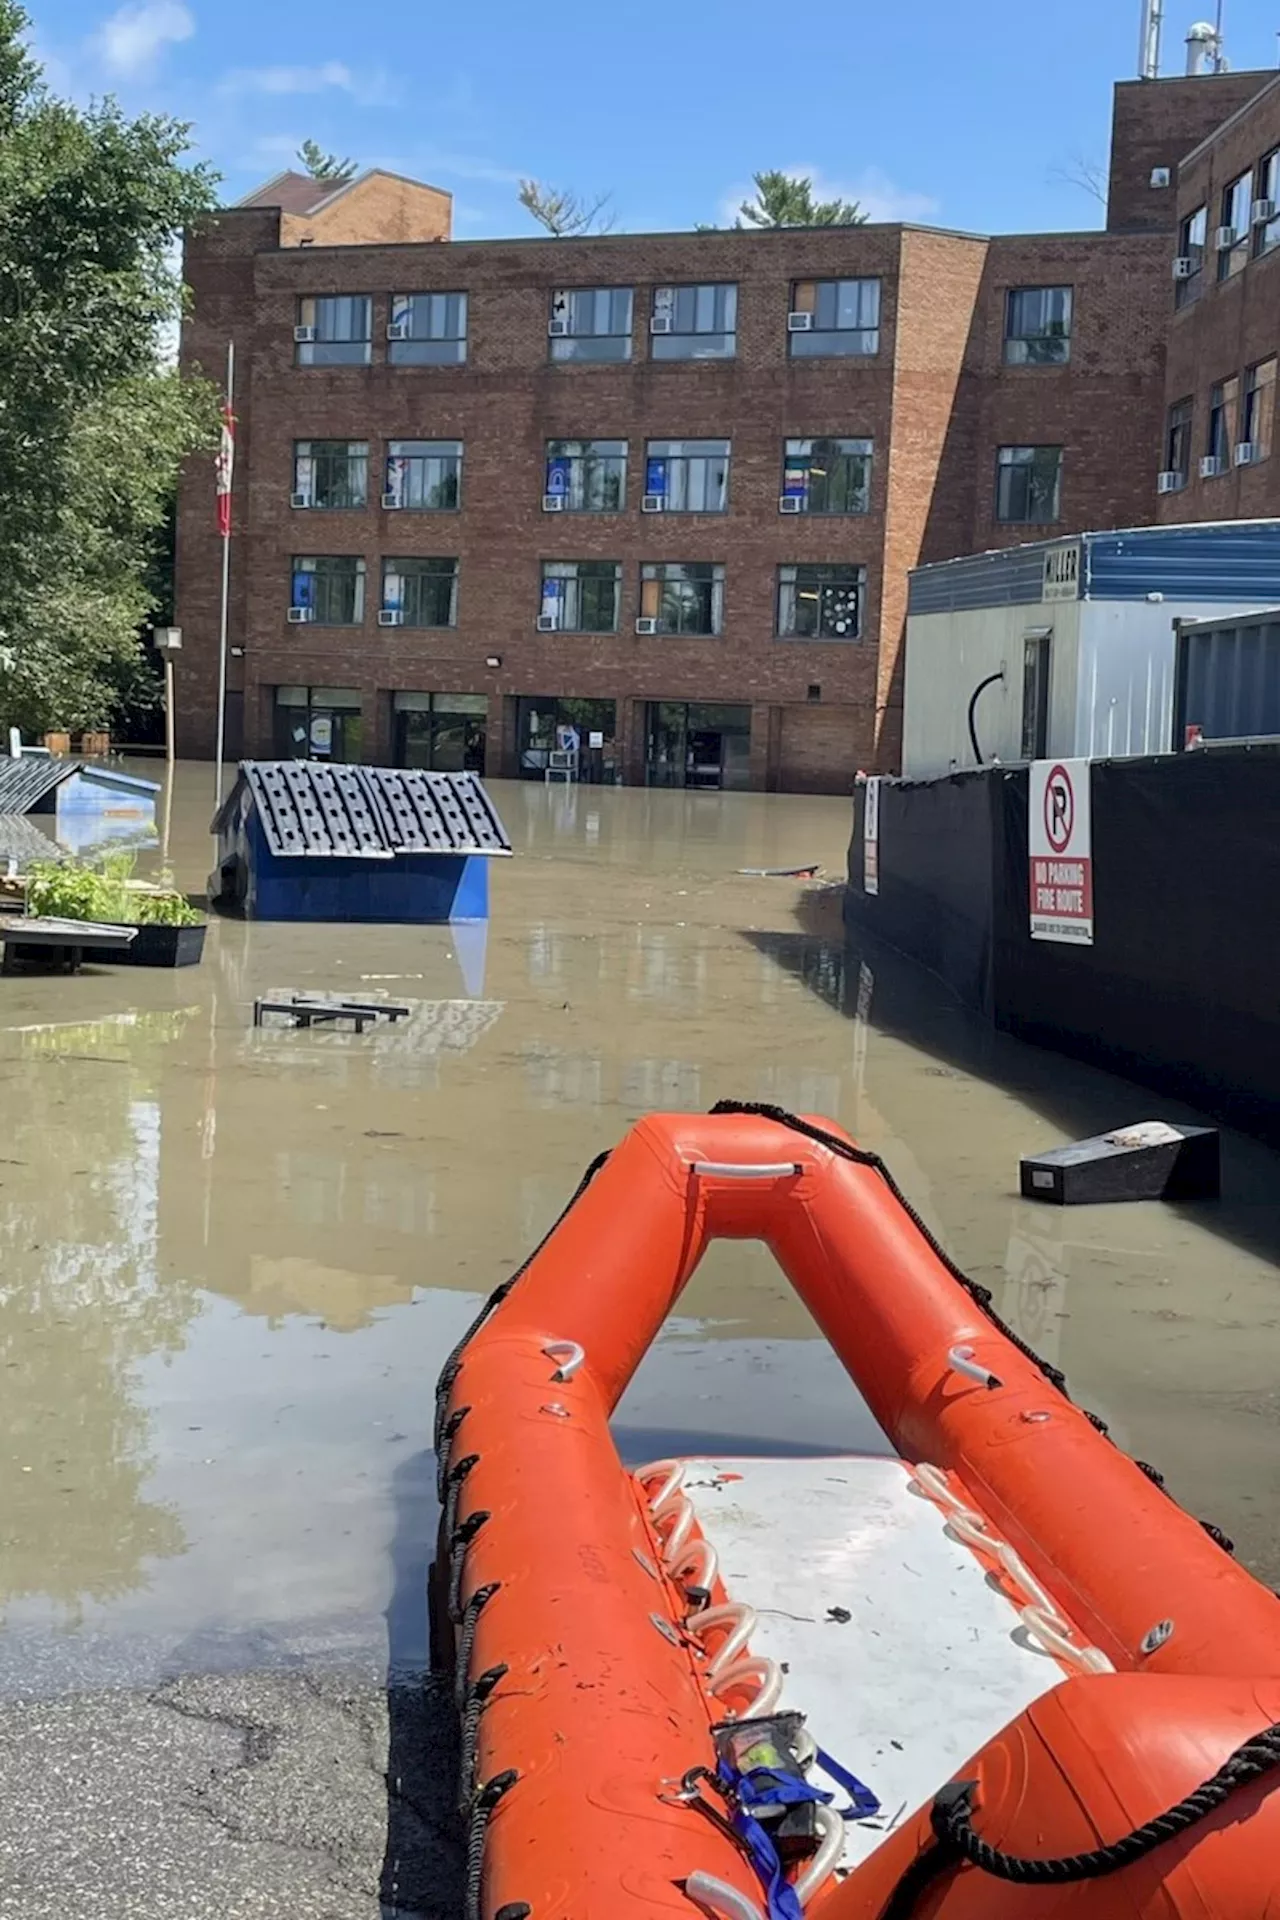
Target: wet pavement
231	1262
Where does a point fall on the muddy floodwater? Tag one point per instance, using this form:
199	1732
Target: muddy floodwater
231	1260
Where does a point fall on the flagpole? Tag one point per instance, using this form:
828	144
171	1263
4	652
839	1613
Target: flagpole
226	605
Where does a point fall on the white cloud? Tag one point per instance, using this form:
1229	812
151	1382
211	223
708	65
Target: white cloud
328	76
878	196
131	42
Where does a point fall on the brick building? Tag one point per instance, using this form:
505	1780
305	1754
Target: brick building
658	494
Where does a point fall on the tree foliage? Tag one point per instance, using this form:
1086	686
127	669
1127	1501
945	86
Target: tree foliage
564	213
325	166
93	427
786	200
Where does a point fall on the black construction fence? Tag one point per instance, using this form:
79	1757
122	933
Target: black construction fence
1181	987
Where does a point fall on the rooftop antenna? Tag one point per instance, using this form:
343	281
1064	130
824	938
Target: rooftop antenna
1204	48
1149	44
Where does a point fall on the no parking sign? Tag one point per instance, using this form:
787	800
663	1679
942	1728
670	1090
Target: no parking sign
1061	852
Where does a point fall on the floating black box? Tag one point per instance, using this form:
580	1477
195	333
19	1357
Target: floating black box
1149	1161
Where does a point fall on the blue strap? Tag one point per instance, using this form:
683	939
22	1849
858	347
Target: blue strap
780	1898
862	1802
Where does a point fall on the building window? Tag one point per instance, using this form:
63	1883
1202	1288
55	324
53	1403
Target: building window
423	592
427	330
591	323
682	596
834	316
1177	444
424	476
1189	266
686	476
826	476
1266	233
586	476
1224	420
328	589
1259	409
694	323
335	331
443	732
586	729
330	473
1028	485
820	603
1232	238
580	596
1037	326
317	723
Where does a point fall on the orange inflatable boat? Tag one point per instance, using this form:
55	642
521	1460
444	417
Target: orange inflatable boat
1000	1674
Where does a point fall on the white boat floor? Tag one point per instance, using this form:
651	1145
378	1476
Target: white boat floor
926	1668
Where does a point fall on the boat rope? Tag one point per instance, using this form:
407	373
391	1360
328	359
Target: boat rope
476	1695
467	1639
483	1803
956	1842
981	1296
461	1537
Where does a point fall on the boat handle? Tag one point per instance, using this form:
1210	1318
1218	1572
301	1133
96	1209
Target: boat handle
961	1360
731	1170
1042	1628
826	1859
769	1675
672	1472
679	1510
696	1565
718	1897
573	1357
742	1622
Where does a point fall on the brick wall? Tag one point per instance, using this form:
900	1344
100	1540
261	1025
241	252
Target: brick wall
380	208
1156	123
1230	325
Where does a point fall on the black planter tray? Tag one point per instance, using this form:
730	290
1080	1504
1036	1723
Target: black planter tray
158	947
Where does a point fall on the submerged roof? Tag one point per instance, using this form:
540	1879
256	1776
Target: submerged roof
25	782
22	842
369	813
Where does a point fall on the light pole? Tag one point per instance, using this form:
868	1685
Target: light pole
168	641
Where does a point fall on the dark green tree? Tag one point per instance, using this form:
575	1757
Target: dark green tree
325	166
786	200
93	426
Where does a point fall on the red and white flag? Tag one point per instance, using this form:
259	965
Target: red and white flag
224	469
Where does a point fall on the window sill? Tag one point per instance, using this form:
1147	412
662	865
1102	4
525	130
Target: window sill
826	513
820	639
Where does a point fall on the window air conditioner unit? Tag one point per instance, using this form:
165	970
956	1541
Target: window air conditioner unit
299	499
645	624
790	503
553	503
1262	212
1244	454
660	323
558	329
304	335
1210	466
391	501
1224	239
1161	177
390	617
1170	481
398	330
298	616
653	503
547	623
799	323
1184	266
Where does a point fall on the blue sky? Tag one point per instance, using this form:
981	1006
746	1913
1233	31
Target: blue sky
967	116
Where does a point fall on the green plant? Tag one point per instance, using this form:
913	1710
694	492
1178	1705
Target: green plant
103	892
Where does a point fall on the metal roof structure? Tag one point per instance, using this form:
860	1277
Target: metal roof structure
310	807
26	781
1213	560
21	843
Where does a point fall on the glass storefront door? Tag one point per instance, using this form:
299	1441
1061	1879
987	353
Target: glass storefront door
444	732
697	744
318	723
587	729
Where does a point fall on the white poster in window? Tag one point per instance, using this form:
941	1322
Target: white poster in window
1060	852
595	739
321	733
871	836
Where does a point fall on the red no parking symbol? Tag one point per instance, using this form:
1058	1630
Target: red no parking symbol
1059	809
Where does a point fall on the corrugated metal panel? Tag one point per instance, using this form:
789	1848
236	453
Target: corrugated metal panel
23	842
1229	678
1010	578
25	782
370	813
1222	560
